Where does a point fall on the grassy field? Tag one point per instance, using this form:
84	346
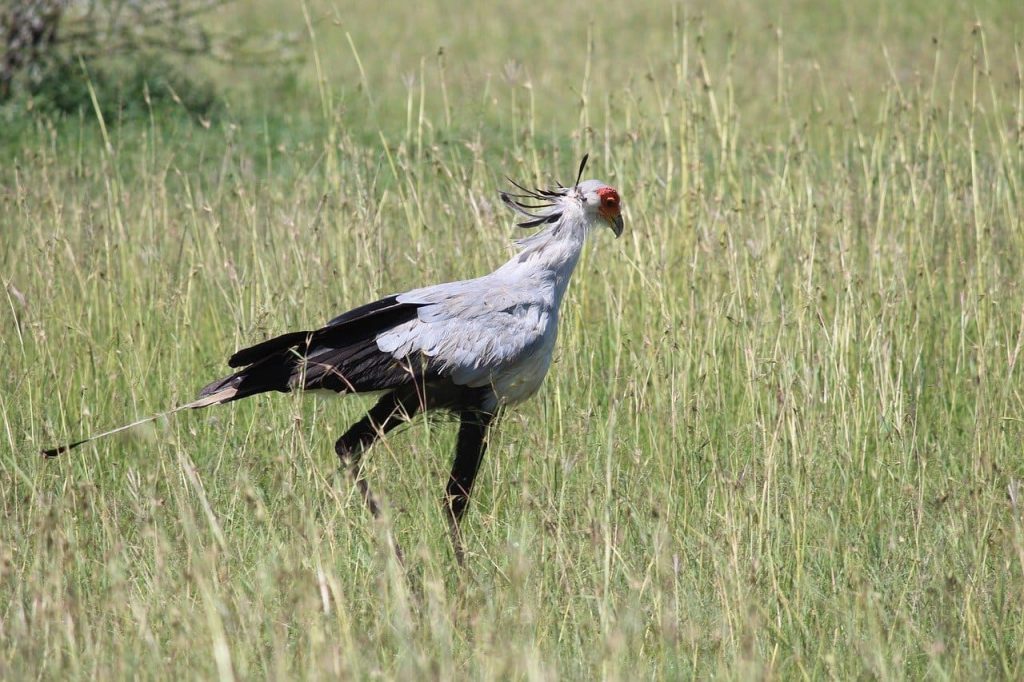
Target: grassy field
782	437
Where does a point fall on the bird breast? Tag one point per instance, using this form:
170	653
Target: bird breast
491	336
524	378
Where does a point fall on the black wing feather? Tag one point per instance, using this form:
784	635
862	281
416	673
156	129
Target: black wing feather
379	311
340	356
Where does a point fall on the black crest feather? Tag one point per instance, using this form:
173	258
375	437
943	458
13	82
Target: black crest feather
540	200
583	165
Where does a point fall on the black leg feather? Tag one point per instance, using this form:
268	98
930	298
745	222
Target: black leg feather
391	410
469	452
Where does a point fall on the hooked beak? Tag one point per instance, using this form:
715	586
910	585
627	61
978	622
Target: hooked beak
617	225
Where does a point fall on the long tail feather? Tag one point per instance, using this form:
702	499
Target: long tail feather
195	404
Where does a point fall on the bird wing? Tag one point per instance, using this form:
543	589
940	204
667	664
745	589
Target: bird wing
341	356
356	322
473	330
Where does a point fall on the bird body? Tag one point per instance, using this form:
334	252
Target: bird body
471	346
498	330
494	333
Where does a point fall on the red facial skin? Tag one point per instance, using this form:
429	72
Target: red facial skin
609	208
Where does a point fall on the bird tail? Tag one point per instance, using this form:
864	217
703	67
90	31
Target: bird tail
203	401
273	372
341	356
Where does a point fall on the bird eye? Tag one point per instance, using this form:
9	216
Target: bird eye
609	199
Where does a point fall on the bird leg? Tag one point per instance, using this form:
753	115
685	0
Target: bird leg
390	411
469	451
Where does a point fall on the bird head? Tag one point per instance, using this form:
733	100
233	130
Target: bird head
593	198
601	201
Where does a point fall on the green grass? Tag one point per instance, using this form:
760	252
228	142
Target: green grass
784	421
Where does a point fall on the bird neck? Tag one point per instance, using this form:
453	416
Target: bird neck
553	252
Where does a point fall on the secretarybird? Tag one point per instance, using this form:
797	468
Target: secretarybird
469	347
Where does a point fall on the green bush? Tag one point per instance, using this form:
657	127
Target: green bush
122	90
